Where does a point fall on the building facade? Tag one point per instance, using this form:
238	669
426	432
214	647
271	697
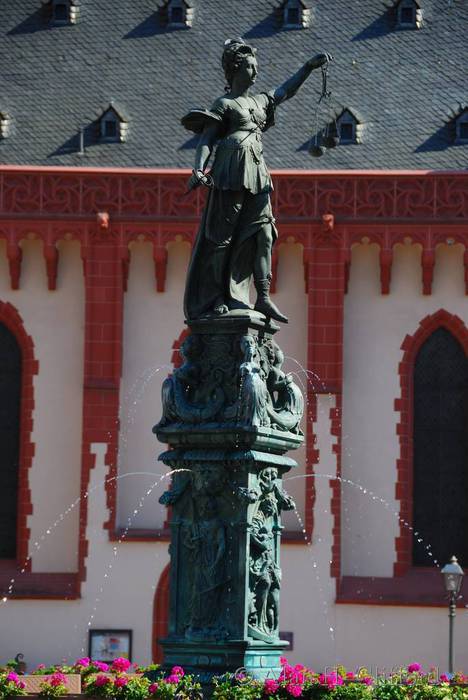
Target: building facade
371	268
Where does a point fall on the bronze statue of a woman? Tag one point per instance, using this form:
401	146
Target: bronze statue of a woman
238	230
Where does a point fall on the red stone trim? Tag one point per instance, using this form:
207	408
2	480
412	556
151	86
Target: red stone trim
160	615
42	586
102	364
419	587
335	484
10	317
404	405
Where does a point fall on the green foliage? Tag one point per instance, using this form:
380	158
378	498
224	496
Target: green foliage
387	689
10	684
231	688
352	691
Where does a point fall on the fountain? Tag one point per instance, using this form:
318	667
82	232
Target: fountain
230	412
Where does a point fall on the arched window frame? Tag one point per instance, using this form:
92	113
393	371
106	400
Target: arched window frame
160	614
405	405
10	317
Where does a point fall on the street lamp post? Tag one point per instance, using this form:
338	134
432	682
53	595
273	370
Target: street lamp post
453	576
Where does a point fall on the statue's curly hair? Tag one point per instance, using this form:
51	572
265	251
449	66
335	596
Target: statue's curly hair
235	50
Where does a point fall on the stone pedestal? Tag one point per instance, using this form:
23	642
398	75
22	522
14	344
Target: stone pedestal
230	414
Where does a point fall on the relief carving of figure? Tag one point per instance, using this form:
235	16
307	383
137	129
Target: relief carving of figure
253	395
185	396
204	544
265	573
238	230
287	403
205	540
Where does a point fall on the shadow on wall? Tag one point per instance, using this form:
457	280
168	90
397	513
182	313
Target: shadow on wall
378	28
34	23
438	141
266	27
150	27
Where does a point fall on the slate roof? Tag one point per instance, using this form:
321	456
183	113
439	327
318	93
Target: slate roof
404	84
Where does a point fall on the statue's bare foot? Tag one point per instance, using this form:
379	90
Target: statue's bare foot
220	307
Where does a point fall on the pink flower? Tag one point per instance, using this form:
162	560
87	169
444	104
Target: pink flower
57	679
414	668
21	685
101	680
283	660
178	671
13	677
350	676
444	678
172	679
101	666
153	688
286	672
121	665
294	689
120	681
85	661
270	686
367	680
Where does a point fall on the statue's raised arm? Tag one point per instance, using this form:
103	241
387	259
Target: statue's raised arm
237	230
289	88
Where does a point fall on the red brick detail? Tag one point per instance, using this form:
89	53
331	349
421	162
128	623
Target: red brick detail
102	367
335	507
427	264
10	317
404	429
386	261
160	257
160	615
326	264
418	587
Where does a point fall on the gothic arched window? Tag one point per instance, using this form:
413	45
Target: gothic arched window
10	399
440	483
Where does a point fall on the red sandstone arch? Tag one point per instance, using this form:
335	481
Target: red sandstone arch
10	317
404	404
160	614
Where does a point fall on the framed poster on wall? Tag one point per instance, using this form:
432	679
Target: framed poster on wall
107	645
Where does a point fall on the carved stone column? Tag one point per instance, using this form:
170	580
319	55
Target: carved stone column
230	414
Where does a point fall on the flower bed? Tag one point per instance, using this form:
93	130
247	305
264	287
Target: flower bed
124	681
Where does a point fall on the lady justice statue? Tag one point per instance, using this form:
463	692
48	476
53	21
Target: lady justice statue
237	230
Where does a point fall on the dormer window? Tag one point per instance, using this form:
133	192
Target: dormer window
348	128
60	12
5	122
179	13
461	127
409	14
63	12
296	15
113	126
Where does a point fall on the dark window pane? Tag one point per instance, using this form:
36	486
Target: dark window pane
463	130
61	12
293	16
177	15
10	396
110	128
440	489
346	132
407	15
